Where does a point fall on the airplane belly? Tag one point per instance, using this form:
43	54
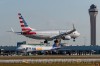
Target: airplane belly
38	36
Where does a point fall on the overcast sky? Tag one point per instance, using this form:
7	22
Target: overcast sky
47	14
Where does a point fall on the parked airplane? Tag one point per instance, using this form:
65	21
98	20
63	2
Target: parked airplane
46	35
36	48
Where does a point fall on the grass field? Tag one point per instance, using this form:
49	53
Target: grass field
48	64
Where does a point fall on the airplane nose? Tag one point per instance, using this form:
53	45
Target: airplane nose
78	34
19	48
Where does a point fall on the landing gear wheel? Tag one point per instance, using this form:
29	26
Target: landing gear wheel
73	40
46	41
57	41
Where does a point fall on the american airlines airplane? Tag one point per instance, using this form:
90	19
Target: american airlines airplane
46	35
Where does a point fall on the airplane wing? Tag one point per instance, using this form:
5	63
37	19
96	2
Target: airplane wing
12	31
66	33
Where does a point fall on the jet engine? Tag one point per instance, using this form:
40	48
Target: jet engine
66	37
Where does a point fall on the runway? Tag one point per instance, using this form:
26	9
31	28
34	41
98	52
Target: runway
48	60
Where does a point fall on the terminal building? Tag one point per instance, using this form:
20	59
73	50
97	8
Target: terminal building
82	50
68	50
7	50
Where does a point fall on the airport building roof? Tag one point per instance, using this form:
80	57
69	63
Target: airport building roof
82	47
8	48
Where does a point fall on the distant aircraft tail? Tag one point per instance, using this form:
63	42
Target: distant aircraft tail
23	24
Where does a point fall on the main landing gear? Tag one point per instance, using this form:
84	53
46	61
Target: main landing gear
46	41
57	40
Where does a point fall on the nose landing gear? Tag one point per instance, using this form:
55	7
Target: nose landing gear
73	39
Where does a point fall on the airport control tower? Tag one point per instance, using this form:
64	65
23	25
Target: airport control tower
93	11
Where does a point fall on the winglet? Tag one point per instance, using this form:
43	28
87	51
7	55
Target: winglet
12	29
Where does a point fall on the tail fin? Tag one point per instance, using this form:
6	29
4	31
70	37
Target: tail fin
74	27
23	24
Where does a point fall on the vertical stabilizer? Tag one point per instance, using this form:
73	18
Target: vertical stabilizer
24	25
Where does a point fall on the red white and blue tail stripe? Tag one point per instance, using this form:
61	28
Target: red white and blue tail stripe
23	24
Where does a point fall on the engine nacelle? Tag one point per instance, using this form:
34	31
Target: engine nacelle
66	37
74	35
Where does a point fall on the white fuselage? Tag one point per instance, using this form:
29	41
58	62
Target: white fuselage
49	34
30	48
